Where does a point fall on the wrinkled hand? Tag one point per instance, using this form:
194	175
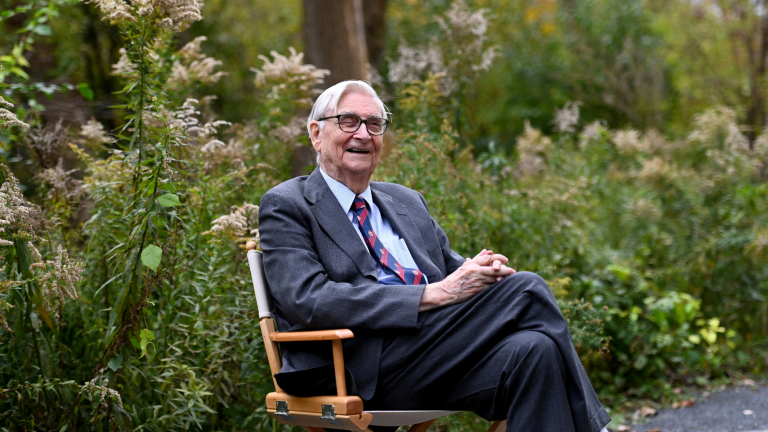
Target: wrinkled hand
472	277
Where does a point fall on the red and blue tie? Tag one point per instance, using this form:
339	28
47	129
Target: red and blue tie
407	275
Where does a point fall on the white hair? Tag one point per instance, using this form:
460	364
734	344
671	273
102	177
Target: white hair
328	101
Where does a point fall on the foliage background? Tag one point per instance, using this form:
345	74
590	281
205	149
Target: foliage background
600	143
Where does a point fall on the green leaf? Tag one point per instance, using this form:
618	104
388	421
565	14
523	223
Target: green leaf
623	273
168	200
20	72
115	362
151	257
145	336
86	91
640	362
43	29
34	320
134	342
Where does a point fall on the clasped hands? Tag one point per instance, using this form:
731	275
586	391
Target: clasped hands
472	277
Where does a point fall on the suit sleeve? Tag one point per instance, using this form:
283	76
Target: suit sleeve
302	289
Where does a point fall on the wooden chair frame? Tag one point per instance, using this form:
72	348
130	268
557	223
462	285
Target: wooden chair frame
319	412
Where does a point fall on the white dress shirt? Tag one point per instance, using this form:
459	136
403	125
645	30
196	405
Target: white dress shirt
384	231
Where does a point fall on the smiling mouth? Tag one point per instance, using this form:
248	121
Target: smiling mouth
352	150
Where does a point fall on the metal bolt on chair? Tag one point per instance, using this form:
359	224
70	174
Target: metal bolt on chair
318	412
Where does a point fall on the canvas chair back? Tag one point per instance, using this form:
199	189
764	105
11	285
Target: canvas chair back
260	287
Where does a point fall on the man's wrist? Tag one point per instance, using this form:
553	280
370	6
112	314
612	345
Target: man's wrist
436	295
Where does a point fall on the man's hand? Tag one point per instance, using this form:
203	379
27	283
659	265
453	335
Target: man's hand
468	280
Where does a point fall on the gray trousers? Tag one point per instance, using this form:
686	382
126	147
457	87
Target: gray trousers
505	354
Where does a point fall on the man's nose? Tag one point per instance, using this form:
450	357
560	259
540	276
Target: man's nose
362	132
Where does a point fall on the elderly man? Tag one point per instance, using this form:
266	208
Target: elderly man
432	330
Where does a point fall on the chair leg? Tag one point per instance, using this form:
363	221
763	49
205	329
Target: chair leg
421	427
498	426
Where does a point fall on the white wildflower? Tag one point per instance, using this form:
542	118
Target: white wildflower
93	132
7	118
653	142
185	118
761	145
205	133
532	147
459	50
486	59
465	31
715	123
240	224
115	11
567	118
592	132
644	209
212	145
290	74
105	391
179	75
16	213
656	169
627	141
61	184
413	62
35	253
146	10
178	13
461	16
291	132
533	141
124	66
529	165
193	50
58	279
193	65
172	14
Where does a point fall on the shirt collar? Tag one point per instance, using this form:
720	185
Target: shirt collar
343	194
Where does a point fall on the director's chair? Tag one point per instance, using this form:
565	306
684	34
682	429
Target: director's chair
318	412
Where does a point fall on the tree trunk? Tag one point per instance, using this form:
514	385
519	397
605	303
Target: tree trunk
334	35
374	12
756	115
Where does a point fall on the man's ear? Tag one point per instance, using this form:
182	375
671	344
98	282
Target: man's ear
314	134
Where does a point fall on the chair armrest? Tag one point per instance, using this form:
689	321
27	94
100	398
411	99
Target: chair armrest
335	336
318	335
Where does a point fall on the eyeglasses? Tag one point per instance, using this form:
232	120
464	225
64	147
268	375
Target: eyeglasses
351	123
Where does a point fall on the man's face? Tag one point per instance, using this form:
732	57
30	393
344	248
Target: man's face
349	157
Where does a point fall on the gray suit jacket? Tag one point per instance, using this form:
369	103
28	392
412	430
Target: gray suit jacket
321	276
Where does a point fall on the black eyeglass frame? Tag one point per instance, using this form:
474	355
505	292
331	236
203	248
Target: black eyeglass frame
384	125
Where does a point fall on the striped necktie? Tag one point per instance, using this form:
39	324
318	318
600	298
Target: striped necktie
407	275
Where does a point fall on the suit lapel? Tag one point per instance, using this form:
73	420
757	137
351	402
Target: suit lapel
399	217
333	219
